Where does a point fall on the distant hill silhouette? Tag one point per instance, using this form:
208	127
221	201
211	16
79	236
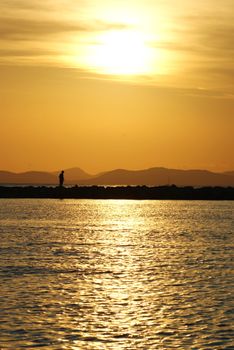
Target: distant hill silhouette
149	177
162	176
74	174
29	177
231	173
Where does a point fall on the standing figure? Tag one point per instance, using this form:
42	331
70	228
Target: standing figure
61	178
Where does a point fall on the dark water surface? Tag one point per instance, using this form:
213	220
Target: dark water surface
116	274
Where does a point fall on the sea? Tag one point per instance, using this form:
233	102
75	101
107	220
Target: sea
116	274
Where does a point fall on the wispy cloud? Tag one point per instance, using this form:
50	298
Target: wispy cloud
27	29
203	35
18	5
204	47
200	45
218	38
25	53
22	4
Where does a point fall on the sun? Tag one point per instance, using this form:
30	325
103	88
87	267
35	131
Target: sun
120	52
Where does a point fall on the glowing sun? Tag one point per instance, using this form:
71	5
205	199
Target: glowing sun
120	52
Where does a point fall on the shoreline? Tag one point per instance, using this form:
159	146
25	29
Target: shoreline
119	192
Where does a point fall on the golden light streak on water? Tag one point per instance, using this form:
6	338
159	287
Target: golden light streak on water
84	274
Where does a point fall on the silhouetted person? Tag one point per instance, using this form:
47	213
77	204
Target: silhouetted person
61	178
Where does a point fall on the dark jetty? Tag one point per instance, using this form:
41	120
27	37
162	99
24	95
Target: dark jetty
120	192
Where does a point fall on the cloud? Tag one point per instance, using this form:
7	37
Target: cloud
18	5
217	73
21	4
199	47
26	53
213	45
202	46
204	35
26	29
29	29
214	33
207	43
218	38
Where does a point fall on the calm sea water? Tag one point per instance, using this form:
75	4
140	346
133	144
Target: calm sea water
116	274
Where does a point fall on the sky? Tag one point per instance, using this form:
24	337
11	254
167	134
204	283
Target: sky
105	84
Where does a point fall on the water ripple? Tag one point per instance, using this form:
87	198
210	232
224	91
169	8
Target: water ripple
79	274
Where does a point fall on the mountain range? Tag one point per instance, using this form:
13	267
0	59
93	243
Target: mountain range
149	177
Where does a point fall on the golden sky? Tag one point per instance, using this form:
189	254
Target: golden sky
104	84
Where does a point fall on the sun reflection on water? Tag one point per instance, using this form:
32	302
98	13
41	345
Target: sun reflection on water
116	275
